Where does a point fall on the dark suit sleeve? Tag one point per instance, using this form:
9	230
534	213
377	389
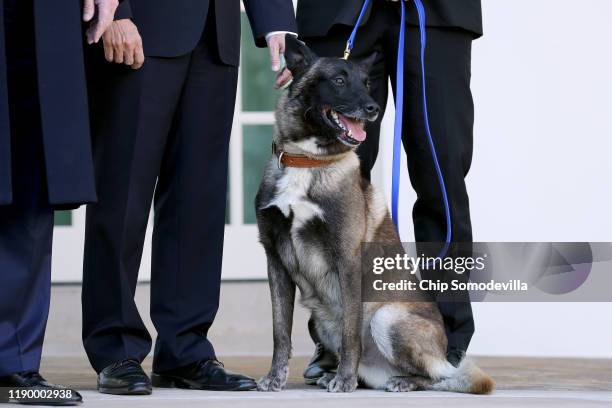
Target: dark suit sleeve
270	15
124	10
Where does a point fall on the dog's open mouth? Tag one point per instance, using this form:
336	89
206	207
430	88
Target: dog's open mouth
352	131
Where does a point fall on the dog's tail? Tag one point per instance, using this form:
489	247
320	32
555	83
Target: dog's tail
467	378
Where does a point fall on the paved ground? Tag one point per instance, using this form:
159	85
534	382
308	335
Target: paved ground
521	382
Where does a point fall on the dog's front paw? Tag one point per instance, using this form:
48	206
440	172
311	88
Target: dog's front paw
342	384
273	381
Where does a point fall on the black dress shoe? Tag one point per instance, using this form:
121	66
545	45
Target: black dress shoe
17	388
124	378
203	375
322	362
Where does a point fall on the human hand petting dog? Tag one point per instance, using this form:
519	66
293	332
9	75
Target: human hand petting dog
123	44
276	46
104	11
283	78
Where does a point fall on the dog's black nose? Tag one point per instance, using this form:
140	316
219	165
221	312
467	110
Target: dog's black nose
372	108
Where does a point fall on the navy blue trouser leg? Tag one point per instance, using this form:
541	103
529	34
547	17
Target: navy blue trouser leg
114	235
26	231
190	202
26	225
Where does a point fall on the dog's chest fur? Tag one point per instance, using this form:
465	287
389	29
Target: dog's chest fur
291	198
308	261
296	210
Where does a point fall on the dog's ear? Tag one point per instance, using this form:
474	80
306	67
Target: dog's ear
297	55
367	63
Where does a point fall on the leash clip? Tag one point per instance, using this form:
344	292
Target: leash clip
347	51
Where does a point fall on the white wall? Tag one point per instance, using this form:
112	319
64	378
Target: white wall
542	164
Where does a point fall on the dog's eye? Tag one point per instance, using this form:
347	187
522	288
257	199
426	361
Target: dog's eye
339	81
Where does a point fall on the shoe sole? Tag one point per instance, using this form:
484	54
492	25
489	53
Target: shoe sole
131	390
167	381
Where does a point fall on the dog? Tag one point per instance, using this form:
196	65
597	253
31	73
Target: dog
314	210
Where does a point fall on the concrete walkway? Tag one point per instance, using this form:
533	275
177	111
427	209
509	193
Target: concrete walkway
521	382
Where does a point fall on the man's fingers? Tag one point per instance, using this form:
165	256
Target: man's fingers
128	57
274	48
105	17
118	57
283	78
118	52
123	45
94	33
98	28
139	57
108	52
129	47
281	47
88	10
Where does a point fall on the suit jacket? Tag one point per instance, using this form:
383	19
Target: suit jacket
316	17
170	28
62	101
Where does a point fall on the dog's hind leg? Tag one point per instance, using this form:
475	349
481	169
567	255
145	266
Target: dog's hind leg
400	384
408	383
412	344
282	289
413	341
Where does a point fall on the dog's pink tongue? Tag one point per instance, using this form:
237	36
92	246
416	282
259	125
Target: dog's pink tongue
356	128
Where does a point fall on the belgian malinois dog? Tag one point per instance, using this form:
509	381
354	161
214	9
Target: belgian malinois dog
314	210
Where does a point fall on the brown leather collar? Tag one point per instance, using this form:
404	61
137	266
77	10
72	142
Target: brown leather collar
298	160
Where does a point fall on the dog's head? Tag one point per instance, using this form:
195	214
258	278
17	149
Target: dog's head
328	103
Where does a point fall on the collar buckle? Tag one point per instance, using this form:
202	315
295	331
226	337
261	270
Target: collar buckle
280	160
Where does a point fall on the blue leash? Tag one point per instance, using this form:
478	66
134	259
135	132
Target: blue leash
399	109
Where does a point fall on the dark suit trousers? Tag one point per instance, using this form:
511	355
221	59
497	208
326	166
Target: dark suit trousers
162	134
26	225
451	112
